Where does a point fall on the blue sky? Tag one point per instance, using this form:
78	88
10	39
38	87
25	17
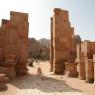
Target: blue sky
82	15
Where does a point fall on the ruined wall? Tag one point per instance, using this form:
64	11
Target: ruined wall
85	52
20	21
14	35
63	39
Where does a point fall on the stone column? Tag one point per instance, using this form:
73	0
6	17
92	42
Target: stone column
81	62
89	70
94	66
20	21
51	47
63	40
58	50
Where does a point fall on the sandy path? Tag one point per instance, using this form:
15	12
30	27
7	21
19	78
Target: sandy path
47	84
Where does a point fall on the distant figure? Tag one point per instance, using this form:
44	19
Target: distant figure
39	71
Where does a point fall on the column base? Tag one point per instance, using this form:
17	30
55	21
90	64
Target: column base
90	81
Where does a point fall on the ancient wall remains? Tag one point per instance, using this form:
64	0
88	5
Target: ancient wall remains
63	40
14	42
85	51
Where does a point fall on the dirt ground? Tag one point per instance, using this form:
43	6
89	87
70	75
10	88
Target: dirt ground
47	84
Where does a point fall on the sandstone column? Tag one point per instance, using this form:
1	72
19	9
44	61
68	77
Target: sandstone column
14	43
58	58
89	70
20	22
94	66
63	40
51	47
81	62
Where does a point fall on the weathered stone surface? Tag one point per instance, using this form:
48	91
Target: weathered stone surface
14	35
94	66
81	63
63	40
3	81
85	59
89	70
72	69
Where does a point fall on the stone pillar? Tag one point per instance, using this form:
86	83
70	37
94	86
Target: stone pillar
89	70
58	57
20	21
63	40
82	70
81	62
14	41
94	66
51	47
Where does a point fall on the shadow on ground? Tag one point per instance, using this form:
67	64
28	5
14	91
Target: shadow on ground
42	83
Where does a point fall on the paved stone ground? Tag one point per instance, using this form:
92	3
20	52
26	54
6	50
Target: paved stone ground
47	84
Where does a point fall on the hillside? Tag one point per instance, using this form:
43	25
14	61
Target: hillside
44	42
38	49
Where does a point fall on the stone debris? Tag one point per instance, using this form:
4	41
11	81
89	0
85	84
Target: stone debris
72	70
39	70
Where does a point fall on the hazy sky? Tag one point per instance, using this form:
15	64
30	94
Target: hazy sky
82	15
